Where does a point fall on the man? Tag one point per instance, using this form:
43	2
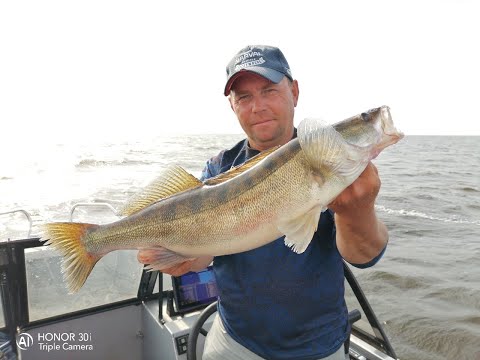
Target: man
274	303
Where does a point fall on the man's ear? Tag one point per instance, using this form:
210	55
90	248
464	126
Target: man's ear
295	92
230	100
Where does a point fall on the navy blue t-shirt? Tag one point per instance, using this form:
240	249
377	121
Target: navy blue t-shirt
279	304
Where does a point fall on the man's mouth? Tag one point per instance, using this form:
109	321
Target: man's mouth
262	122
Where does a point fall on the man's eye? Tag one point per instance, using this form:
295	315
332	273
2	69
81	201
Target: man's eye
243	98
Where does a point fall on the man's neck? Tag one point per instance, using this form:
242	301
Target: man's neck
267	146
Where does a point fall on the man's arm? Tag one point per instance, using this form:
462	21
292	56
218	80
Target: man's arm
360	235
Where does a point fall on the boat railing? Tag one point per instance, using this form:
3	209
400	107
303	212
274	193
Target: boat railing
72	211
27	215
96	204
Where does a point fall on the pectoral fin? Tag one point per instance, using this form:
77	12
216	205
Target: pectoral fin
328	151
299	231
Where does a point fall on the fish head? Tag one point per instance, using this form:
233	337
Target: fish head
373	130
345	148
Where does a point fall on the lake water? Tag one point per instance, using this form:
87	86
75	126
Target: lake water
426	289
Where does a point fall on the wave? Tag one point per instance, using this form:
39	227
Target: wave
473	206
462	296
469	189
440	337
418	214
87	163
403	282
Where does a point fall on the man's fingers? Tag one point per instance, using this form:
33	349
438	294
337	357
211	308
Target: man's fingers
175	270
179	269
141	257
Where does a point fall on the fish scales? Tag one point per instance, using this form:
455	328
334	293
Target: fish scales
177	224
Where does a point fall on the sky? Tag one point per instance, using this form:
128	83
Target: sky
97	70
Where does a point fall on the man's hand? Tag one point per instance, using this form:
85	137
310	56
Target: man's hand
179	269
360	235
360	195
196	264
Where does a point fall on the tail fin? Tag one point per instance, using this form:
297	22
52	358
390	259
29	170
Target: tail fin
77	261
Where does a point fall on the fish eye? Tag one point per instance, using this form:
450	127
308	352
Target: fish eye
365	116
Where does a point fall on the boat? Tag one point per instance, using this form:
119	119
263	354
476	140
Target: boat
125	311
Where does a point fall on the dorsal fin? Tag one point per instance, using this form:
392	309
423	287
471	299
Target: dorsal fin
172	180
235	171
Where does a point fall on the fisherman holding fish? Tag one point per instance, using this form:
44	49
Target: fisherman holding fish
276	304
277	214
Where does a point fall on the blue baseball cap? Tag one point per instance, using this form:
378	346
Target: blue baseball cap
266	61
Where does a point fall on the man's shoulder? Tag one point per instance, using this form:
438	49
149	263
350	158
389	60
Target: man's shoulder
232	153
224	159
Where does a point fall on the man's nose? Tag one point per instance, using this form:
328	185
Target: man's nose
258	103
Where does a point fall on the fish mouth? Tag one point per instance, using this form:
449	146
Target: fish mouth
387	132
390	135
395	137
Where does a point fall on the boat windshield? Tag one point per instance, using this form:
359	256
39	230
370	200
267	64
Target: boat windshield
115	278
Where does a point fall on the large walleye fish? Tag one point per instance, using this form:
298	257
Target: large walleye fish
281	191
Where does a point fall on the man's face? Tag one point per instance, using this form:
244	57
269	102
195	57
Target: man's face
265	109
